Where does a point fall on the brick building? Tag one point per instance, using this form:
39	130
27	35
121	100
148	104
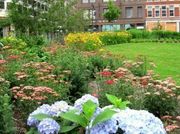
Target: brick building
165	13
132	13
138	14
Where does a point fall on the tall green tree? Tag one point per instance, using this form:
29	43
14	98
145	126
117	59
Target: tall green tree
112	13
46	16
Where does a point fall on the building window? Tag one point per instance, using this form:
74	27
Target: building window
92	14
86	14
139	12
84	1
171	10
163	11
157	11
108	0
92	1
129	12
149	11
1	4
89	14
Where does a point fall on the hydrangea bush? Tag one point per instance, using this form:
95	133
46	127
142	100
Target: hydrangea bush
87	117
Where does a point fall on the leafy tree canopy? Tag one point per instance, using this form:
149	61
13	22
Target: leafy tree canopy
112	13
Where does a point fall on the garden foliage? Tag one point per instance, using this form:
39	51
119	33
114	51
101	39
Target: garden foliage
93	41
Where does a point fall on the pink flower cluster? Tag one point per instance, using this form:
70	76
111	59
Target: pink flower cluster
39	93
172	123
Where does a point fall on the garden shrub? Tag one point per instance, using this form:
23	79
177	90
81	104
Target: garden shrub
76	66
160	102
165	34
31	41
97	63
6	123
155	35
84	41
14	43
139	34
139	67
113	38
93	41
119	88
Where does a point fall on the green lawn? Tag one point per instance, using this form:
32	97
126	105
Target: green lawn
165	56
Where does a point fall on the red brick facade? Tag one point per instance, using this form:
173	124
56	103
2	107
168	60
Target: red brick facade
164	12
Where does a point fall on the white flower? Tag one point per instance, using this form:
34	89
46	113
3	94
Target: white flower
139	122
60	106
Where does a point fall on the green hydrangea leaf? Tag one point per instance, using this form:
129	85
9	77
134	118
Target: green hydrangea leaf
88	109
103	116
74	117
41	117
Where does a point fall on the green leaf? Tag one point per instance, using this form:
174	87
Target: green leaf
113	99
123	104
103	116
40	117
89	108
32	131
65	129
72	116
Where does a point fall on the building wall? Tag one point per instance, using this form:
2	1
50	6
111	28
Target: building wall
99	6
168	22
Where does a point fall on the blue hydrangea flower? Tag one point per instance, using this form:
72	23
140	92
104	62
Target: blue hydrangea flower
48	126
106	127
139	122
78	103
44	109
59	107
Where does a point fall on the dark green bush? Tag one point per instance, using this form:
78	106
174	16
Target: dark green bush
98	62
139	34
74	62
35	40
121	89
113	38
165	34
160	103
6	113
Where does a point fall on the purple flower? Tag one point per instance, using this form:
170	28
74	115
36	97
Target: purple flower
48	126
106	127
44	109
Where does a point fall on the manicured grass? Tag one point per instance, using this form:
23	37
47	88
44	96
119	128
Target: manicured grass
165	56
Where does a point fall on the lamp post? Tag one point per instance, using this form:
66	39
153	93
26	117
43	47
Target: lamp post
93	13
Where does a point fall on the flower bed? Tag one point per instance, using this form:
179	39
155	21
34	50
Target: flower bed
93	41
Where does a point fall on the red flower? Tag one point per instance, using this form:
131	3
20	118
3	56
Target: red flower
106	73
109	82
2	61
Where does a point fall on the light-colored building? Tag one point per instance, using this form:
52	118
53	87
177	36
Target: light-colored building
165	13
5	30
